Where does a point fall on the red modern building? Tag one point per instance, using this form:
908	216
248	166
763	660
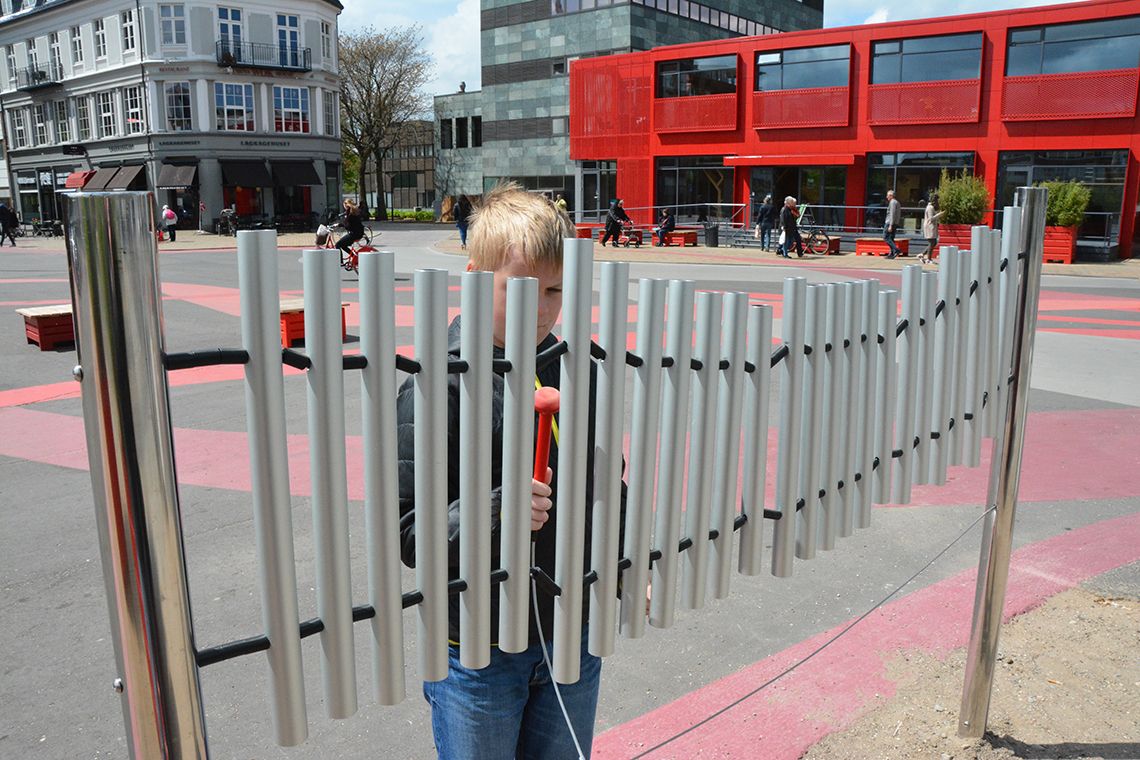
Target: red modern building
836	117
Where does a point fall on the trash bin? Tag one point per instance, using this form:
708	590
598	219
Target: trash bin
712	235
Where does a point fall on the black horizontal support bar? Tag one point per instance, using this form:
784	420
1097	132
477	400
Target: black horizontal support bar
880	339
724	364
749	367
456	586
684	544
827	347
900	328
545	582
846	343
779	354
501	366
771	514
968	416
223	652
655	555
411	599
1004	264
973	287
714	534
739	522
457	366
667	362
624	563
939	307
206	358
807	350
355	361
295	359
550	355
696	365
896	453
633	360
589	579
597	351
406	365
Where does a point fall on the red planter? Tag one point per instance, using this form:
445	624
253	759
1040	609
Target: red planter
954	234
1060	245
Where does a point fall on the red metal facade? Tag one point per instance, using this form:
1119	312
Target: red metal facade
614	115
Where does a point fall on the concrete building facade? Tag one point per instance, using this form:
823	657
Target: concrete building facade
210	105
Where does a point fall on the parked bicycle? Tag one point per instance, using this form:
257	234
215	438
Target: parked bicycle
350	260
814	237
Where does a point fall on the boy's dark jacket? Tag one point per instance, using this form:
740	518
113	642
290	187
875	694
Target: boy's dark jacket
545	544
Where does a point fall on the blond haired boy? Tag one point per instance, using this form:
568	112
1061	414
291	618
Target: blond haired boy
508	709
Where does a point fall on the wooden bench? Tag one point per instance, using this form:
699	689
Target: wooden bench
46	326
293	321
871	246
680	237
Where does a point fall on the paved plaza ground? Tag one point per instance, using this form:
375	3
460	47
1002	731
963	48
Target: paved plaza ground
1078	526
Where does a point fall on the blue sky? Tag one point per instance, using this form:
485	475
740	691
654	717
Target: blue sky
451	27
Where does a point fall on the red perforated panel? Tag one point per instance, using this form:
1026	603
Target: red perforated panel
946	102
697	113
1094	94
609	109
815	107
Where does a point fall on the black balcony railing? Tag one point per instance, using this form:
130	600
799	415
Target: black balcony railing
262	56
36	77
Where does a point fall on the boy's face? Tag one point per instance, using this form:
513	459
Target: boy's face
549	295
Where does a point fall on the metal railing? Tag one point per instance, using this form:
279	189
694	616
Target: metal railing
265	56
37	77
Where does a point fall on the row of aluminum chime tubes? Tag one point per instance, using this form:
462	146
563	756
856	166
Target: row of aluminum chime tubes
862	417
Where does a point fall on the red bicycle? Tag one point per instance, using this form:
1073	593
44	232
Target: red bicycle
350	260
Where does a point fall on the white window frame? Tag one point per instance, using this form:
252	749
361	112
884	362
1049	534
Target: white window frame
76	47
332	113
302	113
288	39
130	36
33	56
222	114
179	97
326	41
19	128
83	125
11	58
230	29
55	53
172	20
62	117
40	125
134	115
100	31
107	118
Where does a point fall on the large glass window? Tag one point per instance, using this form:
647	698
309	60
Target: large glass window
127	21
62	125
1103	171
100	39
56	54
912	176
105	105
229	30
178	106
927	59
446	130
173	24
696	76
289	39
1087	46
802	68
476	131
233	107
291	109
693	186
461	132
133	109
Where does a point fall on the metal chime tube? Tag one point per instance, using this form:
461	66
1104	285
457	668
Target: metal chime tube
702	447
381	502
328	470
518	458
788	446
924	399
577	277
943	375
866	443
976	349
671	470
993	348
835	419
854	352
727	467
811	450
430	404
885	396
475	347
608	421
269	478
755	460
909	359
642	455
961	350
1012	221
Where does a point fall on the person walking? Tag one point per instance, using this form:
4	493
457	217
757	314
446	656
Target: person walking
765	219
8	223
615	219
170	222
891	225
462	212
789	221
930	228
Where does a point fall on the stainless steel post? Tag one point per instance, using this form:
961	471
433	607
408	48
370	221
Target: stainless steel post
116	300
885	396
835	419
865	451
943	373
1005	475
855	401
788	447
811	422
925	398
269	477
975	313
906	408
755	459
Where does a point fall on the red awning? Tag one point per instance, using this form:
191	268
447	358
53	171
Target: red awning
76	180
787	159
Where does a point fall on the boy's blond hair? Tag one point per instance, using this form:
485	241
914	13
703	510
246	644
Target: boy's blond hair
510	216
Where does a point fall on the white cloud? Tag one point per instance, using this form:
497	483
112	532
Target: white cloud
878	17
453	42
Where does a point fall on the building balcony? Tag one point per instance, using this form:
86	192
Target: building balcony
809	107
952	101
256	55
695	113
1086	95
38	78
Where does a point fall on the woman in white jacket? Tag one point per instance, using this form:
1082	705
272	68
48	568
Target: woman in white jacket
930	228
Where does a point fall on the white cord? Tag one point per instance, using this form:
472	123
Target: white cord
546	658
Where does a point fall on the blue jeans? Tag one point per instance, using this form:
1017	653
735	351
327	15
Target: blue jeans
765	236
509	710
889	236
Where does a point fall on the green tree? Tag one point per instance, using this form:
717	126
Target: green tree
382	79
1067	202
963	198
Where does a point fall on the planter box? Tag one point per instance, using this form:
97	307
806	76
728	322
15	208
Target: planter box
1060	245
953	234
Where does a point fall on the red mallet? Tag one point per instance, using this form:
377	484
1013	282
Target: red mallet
546	401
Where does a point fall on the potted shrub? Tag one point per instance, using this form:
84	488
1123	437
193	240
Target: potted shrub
964	200
1064	212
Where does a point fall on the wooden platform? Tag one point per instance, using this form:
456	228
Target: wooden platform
872	246
48	326
293	321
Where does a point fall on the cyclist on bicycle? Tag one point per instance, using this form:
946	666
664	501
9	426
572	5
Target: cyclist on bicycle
353	225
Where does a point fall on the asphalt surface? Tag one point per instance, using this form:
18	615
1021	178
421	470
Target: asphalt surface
1082	468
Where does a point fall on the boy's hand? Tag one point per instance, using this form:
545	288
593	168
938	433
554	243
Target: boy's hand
540	503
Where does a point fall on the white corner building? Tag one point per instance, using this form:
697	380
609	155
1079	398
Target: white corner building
210	105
